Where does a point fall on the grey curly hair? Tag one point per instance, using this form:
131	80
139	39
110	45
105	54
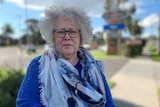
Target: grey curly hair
48	23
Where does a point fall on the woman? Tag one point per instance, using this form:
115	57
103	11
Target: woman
66	75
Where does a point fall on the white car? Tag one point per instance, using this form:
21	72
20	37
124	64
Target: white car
103	48
31	48
47	46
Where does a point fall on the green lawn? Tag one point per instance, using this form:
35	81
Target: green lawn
111	84
103	55
159	94
154	54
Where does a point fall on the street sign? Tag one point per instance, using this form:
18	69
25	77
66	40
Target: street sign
115	15
114	26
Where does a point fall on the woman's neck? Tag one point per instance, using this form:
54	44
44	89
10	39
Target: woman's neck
73	59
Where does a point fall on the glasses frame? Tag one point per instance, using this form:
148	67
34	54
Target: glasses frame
67	31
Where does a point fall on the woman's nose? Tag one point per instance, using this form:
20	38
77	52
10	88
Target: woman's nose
67	36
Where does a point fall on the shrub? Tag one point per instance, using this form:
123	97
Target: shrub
124	50
10	81
131	50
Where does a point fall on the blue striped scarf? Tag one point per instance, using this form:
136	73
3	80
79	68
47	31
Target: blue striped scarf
69	86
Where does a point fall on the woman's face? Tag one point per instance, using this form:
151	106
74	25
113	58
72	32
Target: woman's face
67	37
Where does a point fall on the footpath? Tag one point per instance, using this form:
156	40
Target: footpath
137	82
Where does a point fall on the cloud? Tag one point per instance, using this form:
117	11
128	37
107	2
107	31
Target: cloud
139	5
100	29
149	21
145	35
24	3
94	8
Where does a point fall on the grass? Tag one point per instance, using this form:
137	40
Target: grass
111	84
33	54
159	93
103	55
154	54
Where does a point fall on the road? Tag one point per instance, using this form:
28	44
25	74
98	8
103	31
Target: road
112	66
12	57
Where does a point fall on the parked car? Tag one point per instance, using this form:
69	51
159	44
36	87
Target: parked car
31	48
46	47
87	46
103	48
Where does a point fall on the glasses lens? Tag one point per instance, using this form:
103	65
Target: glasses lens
61	33
73	33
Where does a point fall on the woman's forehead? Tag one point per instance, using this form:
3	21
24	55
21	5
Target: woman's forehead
62	21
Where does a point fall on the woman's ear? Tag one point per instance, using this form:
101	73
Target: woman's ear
81	40
53	38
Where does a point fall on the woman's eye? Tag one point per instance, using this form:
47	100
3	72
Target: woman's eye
73	32
60	31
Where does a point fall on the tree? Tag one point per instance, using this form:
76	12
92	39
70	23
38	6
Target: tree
98	37
136	30
32	30
7	31
108	3
131	25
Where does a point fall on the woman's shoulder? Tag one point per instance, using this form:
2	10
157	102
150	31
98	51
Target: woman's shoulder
34	63
36	59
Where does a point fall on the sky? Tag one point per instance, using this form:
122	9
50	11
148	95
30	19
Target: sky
15	13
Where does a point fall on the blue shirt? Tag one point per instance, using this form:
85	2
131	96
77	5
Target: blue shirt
29	92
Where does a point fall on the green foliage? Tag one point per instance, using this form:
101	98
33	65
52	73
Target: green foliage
154	53
98	55
136	30
124	50
111	84
10	81
131	50
159	93
7	30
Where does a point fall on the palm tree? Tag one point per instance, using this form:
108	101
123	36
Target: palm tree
136	30
108	3
32	30
6	32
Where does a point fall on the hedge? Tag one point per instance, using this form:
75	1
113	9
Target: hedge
10	81
131	50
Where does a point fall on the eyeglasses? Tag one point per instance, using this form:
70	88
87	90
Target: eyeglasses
62	32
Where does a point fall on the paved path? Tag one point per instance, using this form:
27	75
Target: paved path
137	82
112	66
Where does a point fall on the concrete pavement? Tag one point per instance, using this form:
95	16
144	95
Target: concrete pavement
137	83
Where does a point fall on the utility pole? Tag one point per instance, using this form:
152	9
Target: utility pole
26	15
159	35
19	30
